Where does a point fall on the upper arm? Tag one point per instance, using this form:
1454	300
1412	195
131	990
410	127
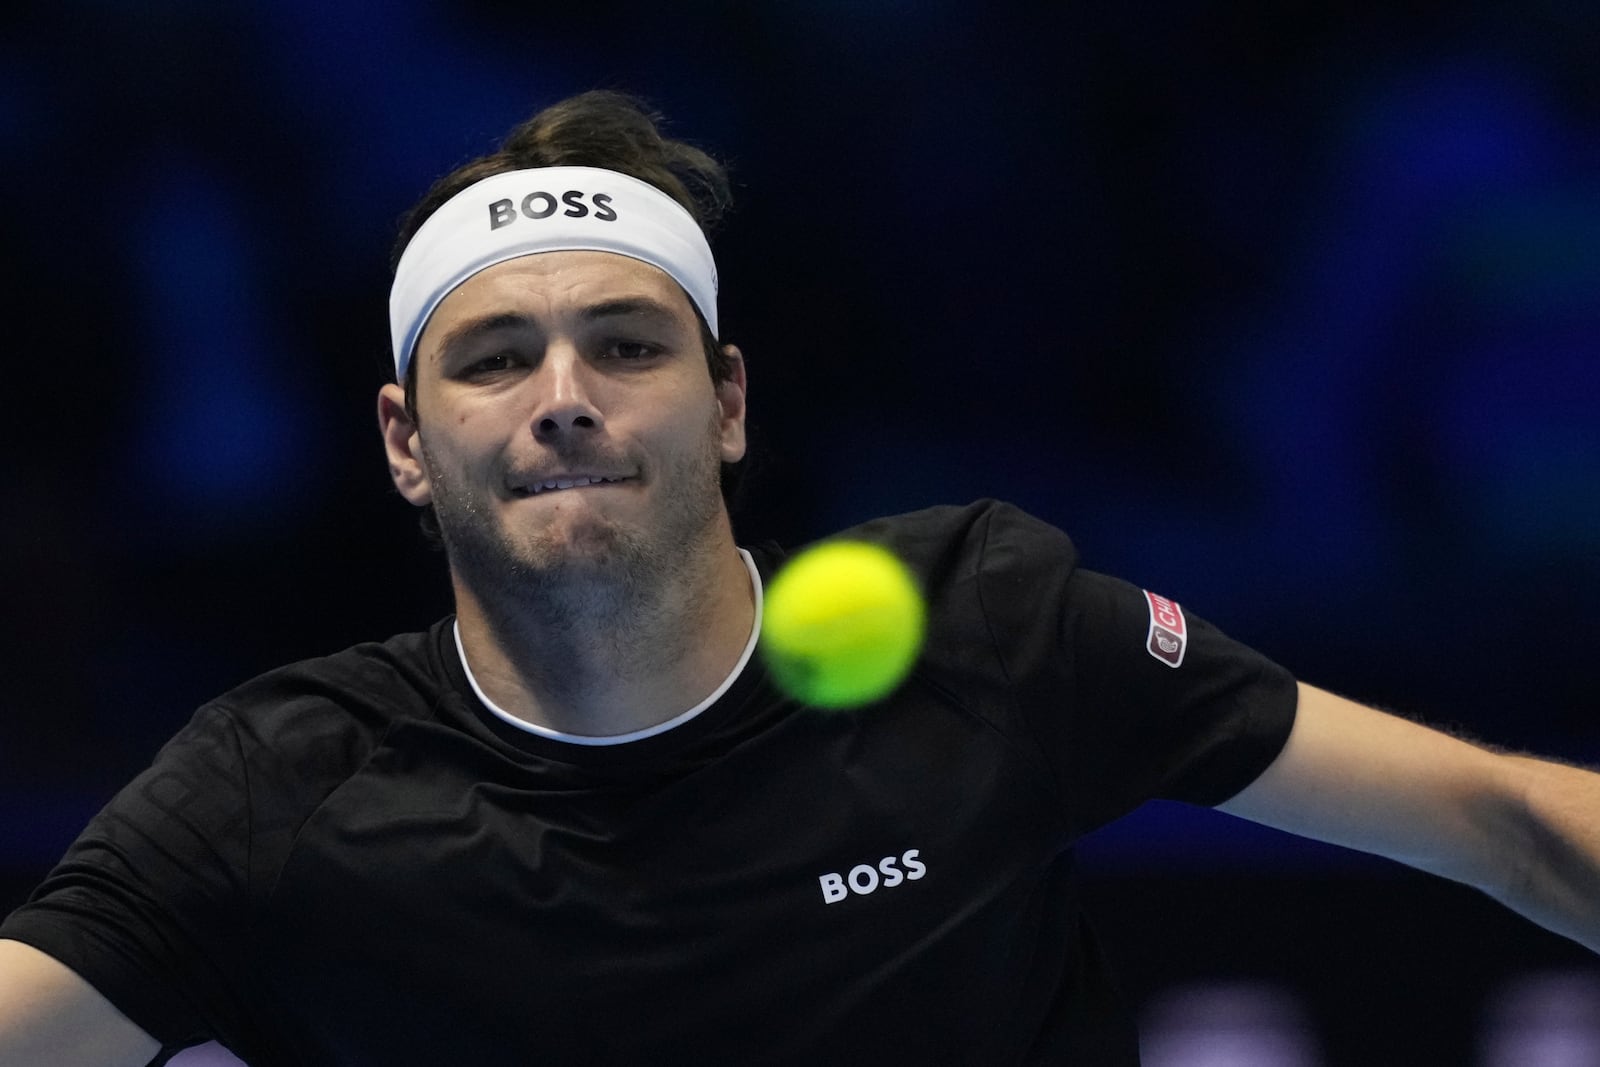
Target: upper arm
1358	777
50	1015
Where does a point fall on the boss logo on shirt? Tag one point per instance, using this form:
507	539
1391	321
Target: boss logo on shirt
541	205
1169	633
864	878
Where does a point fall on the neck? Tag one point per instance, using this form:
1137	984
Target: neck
605	661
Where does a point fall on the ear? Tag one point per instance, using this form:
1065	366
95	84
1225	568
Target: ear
403	446
731	399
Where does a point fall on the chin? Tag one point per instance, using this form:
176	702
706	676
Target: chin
589	540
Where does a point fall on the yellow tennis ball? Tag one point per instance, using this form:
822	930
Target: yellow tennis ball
842	624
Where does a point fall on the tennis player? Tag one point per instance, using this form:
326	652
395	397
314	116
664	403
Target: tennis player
576	823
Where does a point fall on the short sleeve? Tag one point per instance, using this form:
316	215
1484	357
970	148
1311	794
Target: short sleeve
1131	695
148	905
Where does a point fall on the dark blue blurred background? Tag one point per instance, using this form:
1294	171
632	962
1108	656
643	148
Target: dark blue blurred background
1286	311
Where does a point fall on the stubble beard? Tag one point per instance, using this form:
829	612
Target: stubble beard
609	583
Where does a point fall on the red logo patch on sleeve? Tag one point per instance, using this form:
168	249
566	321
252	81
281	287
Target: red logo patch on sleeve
1169	633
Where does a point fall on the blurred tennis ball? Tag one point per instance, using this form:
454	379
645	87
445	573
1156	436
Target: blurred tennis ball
842	624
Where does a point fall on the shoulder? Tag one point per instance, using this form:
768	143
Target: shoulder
357	692
989	562
987	537
960	521
988	570
979	564
270	750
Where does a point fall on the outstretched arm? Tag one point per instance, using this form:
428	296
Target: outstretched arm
1525	831
49	1015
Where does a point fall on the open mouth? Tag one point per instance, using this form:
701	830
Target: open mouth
577	481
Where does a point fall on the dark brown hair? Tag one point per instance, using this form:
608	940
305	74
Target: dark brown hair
602	129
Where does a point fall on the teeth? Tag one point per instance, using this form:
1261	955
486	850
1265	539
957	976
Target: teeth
568	483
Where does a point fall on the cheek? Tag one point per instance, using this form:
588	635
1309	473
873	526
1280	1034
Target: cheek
668	422
458	444
474	430
709	435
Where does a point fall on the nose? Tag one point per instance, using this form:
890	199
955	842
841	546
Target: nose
565	405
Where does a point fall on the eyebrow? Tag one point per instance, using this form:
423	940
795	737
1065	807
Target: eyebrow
628	305
473	329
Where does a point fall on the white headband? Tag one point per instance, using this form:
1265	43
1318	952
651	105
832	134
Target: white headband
549	209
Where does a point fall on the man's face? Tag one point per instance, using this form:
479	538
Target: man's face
568	426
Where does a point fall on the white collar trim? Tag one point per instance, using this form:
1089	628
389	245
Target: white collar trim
648	731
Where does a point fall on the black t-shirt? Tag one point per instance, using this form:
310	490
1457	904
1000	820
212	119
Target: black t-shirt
352	861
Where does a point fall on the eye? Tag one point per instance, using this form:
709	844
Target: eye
633	350
493	364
